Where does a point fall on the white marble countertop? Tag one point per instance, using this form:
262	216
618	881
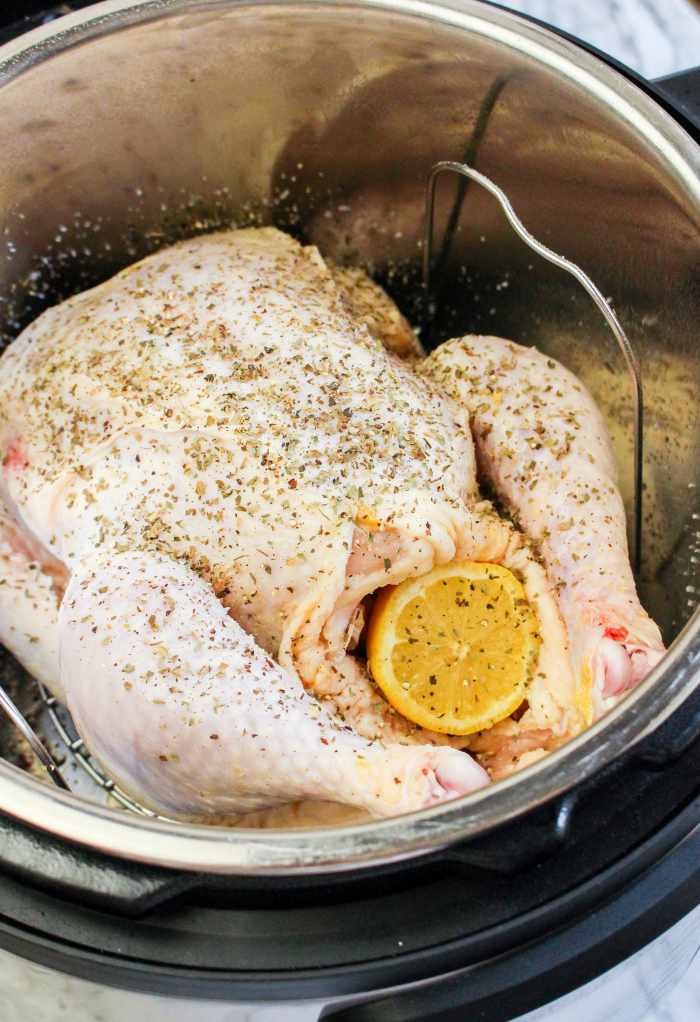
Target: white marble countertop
655	38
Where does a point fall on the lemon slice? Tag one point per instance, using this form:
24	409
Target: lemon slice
454	650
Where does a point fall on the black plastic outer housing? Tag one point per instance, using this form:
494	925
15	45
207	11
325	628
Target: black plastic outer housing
501	924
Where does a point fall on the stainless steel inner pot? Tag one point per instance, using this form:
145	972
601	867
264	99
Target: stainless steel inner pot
132	124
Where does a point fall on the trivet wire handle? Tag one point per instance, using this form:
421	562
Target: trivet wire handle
37	745
585	280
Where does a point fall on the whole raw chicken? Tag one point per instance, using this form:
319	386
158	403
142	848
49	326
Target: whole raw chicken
209	462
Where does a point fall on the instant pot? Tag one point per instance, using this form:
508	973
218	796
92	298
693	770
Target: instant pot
129	124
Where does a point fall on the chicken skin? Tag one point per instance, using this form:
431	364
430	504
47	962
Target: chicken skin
544	448
210	463
211	431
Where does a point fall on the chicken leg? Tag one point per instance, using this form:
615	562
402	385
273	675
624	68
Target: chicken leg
543	446
190	716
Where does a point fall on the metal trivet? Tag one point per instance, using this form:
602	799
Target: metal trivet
564	264
79	752
77	749
37	746
74	749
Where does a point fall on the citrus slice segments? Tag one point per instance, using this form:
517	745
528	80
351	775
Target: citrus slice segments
456	649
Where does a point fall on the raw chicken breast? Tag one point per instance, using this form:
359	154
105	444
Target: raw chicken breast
214	429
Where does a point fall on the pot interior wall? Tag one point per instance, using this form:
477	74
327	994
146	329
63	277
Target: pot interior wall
326	126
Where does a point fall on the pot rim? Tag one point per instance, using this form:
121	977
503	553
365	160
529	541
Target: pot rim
239	851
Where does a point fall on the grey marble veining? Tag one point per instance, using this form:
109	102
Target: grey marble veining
645	988
683	1003
654	37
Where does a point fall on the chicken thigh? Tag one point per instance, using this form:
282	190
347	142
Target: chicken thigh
218	461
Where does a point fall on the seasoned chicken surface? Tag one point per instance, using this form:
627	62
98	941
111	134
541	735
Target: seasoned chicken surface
545	449
209	464
368	303
212	430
